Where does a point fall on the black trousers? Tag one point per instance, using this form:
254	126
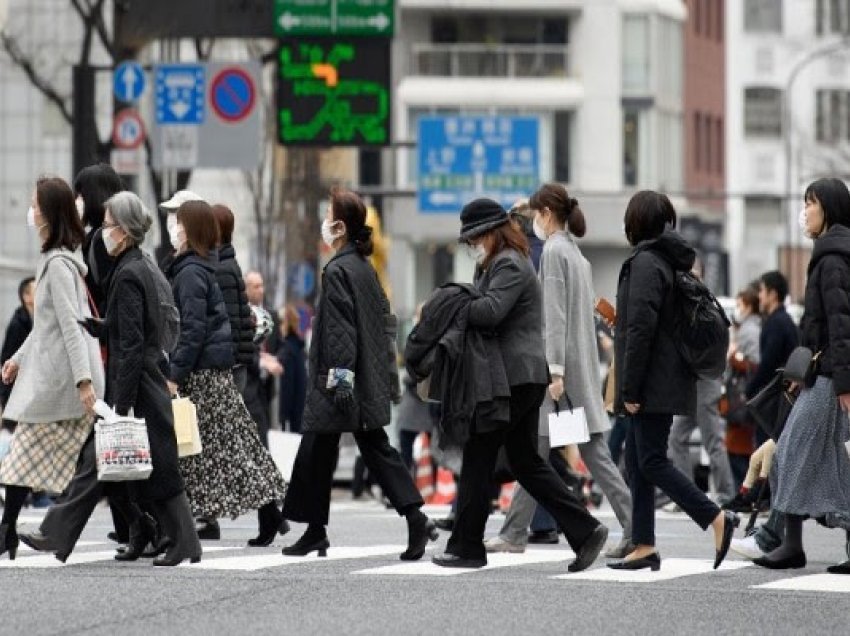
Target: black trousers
308	498
532	471
648	466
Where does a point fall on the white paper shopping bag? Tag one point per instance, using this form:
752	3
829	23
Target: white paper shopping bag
568	426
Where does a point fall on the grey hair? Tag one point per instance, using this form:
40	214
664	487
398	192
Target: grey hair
130	214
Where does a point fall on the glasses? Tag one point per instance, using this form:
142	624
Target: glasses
109	226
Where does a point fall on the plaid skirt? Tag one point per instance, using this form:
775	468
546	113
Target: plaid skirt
44	456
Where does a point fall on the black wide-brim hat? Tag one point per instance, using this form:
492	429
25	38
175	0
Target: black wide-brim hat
480	216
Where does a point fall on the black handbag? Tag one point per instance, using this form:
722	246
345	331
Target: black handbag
771	406
802	366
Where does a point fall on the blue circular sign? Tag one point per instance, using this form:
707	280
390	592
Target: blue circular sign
128	81
232	94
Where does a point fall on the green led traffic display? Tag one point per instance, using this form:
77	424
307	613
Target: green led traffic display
334	92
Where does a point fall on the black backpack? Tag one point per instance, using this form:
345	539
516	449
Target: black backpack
701	328
165	312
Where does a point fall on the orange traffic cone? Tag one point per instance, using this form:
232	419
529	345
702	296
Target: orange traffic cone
446	488
424	472
506	495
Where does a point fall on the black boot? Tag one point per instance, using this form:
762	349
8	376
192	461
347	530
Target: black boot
176	515
271	522
420	529
8	540
315	539
142	532
208	529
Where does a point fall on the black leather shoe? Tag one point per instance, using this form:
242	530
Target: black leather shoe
9	540
545	537
447	524
730	522
142	532
651	561
590	549
271	523
315	541
208	530
38	541
453	561
419	532
154	549
793	562
841	568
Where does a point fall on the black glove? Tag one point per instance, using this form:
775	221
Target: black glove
94	326
344	399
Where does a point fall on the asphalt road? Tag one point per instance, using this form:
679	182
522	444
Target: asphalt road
362	588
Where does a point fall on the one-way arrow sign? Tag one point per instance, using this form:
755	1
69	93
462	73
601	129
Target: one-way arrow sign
128	81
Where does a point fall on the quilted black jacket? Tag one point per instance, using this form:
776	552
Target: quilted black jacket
205	341
348	333
650	370
229	277
826	319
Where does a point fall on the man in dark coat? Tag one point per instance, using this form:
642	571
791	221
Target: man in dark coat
16	332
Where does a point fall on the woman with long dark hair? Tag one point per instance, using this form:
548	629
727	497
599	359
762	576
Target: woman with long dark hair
349	388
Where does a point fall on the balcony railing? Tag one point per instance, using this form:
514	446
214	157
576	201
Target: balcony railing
489	60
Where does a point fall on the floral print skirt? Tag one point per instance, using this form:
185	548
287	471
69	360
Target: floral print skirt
234	473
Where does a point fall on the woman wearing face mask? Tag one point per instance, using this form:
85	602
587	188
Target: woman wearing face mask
58	368
234	473
571	351
510	307
349	388
811	469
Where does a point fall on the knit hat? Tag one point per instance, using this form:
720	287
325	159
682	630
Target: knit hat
480	216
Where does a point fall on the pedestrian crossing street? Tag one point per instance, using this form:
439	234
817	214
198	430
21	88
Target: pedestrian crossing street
241	559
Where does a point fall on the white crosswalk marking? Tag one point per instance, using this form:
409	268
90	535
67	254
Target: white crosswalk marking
811	583
261	561
49	561
497	560
670	569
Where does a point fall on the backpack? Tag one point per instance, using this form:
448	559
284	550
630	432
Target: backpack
165	313
701	327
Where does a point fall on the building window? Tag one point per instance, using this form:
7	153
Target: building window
719	146
708	131
763	16
698	141
697	8
721	19
562	146
832	17
832	116
762	112
707	17
631	121
636	53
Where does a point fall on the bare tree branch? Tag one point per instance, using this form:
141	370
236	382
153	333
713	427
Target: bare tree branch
202	54
42	84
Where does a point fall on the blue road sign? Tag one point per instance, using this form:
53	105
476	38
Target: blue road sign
128	81
232	94
462	158
180	93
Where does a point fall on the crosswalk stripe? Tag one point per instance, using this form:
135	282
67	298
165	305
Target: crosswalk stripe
260	561
670	569
496	560
49	561
811	583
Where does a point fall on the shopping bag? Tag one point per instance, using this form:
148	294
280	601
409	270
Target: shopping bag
121	445
568	426
186	427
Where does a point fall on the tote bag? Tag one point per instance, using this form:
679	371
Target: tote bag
186	427
568	426
122	447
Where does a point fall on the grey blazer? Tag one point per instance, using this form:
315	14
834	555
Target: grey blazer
570	329
510	306
58	354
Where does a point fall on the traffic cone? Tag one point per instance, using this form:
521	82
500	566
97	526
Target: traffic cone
506	495
424	472
446	488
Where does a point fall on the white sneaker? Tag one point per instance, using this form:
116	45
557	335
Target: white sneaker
498	544
747	548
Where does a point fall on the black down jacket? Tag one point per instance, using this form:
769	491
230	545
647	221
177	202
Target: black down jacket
134	378
205	340
232	285
826	318
348	333
650	371
16	333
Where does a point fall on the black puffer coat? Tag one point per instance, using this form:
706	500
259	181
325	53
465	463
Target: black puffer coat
16	333
205	341
826	319
134	378
232	285
348	333
650	371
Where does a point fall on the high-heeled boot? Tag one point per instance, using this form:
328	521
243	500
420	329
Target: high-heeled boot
176	515
315	539
271	522
142	532
420	529
8	540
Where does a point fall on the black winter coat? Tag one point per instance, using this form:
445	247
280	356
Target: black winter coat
205	340
650	371
293	382
348	333
826	317
16	332
779	337
134	378
100	265
230	281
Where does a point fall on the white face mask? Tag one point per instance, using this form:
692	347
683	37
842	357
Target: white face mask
177	236
81	206
31	217
328	235
478	253
110	243
539	232
801	219
170	222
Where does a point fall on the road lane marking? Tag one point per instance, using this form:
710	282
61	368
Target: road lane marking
248	563
494	560
811	583
670	569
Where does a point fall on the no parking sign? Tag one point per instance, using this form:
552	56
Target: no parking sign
232	94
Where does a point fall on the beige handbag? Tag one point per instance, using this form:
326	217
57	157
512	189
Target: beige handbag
186	427
611	388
